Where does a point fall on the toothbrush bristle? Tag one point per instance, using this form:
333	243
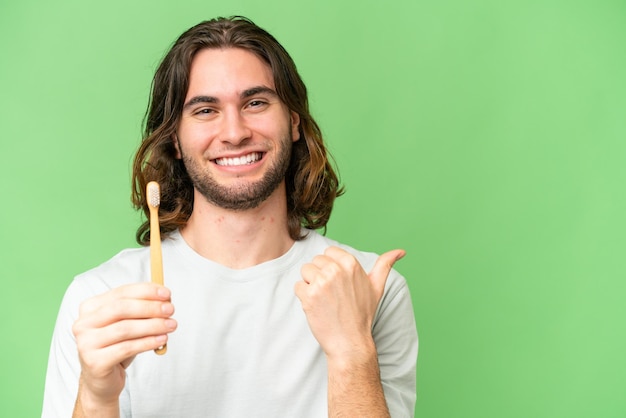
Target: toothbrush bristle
154	194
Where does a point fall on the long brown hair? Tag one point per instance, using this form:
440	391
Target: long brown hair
311	182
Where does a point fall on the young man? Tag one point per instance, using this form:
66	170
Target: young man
272	319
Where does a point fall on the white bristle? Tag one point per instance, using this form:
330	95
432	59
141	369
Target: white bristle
154	194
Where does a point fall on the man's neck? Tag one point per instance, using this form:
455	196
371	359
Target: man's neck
239	239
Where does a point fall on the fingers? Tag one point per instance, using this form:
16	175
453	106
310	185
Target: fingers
138	300
382	267
117	325
142	290
126	330
300	291
340	299
112	328
102	349
109	312
336	260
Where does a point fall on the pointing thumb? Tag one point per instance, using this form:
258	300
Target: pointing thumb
382	267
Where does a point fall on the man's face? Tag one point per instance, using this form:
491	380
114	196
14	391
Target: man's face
235	134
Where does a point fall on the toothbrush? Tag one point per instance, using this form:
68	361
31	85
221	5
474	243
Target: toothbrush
153	194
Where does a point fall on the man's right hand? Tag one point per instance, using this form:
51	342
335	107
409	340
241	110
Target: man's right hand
110	331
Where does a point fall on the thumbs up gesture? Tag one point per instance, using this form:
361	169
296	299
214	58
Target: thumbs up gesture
340	299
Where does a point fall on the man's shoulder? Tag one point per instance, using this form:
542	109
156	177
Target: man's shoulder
127	266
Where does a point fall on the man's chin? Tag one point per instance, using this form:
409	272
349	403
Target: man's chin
238	200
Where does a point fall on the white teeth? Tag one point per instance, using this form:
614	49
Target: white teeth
243	160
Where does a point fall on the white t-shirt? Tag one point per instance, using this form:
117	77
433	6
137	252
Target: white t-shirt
243	347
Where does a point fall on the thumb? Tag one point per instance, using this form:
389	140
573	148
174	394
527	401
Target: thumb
382	267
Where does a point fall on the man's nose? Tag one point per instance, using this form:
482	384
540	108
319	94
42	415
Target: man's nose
234	128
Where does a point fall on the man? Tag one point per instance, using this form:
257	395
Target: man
272	319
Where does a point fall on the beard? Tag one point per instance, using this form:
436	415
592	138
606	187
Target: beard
242	196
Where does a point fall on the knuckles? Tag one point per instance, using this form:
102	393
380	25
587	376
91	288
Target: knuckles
347	261
335	265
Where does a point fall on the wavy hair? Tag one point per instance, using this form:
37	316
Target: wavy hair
311	182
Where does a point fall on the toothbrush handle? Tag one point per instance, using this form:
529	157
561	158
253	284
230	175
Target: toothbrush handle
156	259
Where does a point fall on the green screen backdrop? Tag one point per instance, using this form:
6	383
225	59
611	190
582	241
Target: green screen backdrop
487	138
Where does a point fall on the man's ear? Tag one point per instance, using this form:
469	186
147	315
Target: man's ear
295	126
178	155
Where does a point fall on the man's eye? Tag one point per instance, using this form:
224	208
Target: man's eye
204	111
256	103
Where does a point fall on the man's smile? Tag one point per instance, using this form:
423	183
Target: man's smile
242	160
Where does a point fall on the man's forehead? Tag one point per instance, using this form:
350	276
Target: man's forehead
215	60
228	71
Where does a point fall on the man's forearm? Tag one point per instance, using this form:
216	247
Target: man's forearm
355	388
84	408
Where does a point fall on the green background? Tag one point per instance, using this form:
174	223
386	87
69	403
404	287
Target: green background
487	138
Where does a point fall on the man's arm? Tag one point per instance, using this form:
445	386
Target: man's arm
340	299
90	408
354	386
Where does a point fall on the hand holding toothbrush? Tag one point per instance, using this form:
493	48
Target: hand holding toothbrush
111	330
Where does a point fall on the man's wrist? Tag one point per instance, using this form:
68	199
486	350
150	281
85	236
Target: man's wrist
89	407
357	356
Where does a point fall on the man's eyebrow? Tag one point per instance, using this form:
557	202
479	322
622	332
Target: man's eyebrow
257	90
200	99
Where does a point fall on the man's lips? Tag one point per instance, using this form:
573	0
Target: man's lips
239	161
